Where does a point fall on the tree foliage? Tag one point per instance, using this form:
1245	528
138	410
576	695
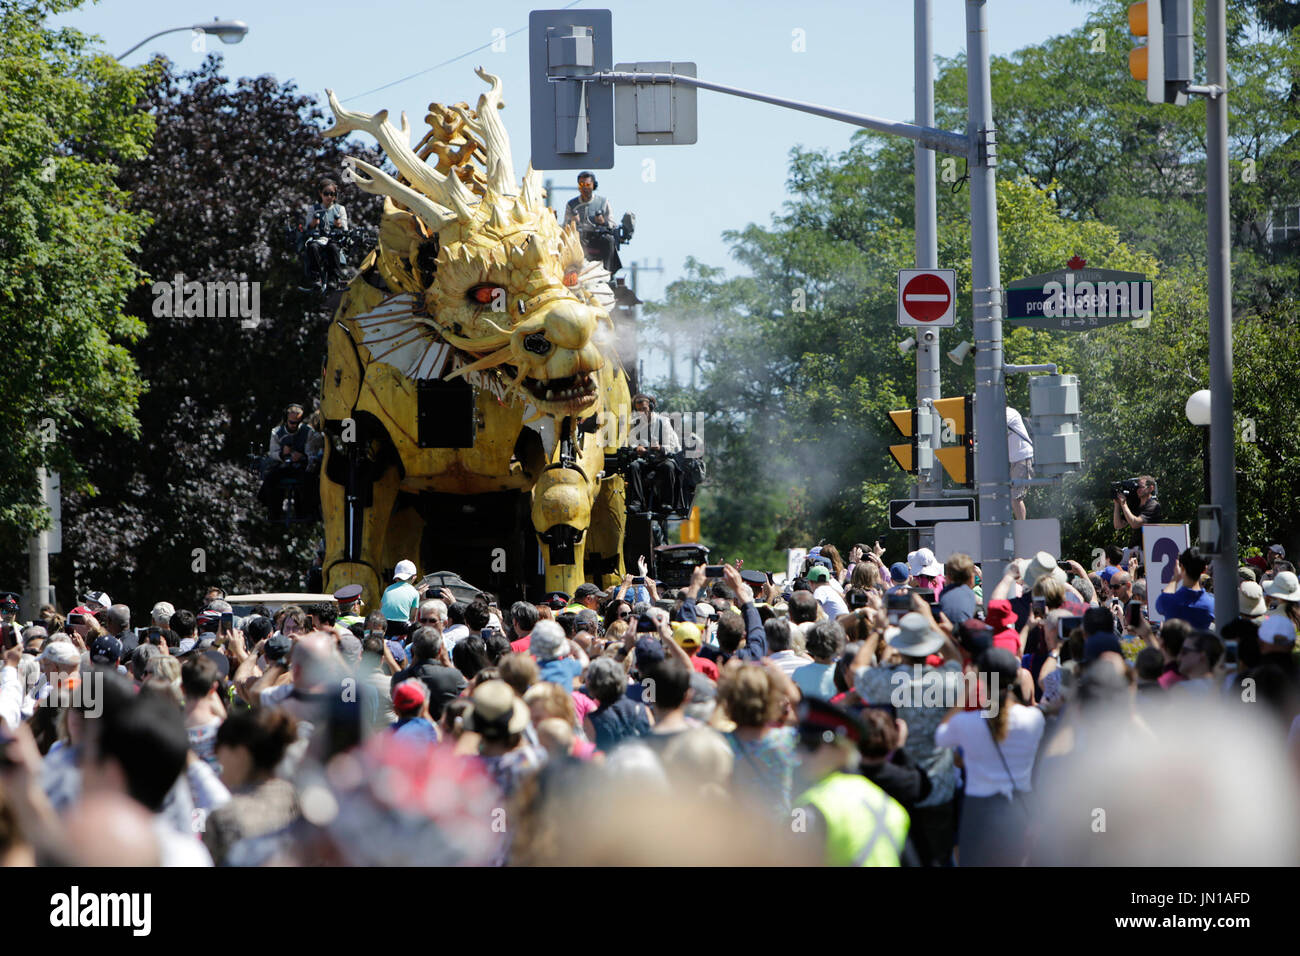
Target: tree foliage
68	239
230	160
798	400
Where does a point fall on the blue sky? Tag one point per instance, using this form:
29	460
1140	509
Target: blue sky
857	56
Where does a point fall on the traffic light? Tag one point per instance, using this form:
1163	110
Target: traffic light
1054	413
690	528
956	416
917	455
1164	63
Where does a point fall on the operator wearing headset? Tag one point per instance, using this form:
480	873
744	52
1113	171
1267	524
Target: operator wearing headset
593	217
649	428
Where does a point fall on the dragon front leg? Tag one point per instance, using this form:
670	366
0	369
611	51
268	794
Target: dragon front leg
357	514
561	516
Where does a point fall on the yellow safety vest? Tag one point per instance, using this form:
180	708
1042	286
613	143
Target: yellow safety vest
864	825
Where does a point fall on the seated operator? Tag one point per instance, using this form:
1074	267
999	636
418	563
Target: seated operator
286	456
653	477
592	215
322	258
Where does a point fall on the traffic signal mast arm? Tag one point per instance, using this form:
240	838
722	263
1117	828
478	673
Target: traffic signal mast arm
956	144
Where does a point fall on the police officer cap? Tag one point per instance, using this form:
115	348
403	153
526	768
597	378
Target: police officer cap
348	593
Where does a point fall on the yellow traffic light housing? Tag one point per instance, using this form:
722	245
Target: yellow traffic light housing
904	420
690	528
1164	62
956	418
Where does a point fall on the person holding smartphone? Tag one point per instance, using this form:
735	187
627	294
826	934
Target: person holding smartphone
639	588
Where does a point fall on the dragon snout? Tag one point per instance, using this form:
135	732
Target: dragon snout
570	324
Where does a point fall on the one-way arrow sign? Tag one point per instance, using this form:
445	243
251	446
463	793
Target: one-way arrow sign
907	513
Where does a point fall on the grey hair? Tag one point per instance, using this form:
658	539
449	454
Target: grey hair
606	679
430	634
439	609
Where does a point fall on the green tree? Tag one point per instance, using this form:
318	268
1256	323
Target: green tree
68	234
231	161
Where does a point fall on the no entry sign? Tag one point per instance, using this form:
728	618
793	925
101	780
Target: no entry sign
927	297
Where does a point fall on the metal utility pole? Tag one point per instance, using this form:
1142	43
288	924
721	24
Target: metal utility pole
992	468
635	269
925	216
549	187
1223	458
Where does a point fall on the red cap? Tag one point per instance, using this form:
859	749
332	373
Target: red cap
409	696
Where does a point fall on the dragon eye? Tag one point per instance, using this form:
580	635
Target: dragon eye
571	278
486	294
537	343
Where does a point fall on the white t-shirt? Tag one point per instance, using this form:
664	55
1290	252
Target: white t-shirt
973	733
1018	445
831	601
453	634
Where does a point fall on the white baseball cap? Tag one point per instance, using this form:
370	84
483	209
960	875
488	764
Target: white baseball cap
1277	629
404	571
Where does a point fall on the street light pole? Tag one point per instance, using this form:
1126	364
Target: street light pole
229	31
1198	413
1223	464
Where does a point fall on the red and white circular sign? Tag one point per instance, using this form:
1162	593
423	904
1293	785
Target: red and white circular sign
926	297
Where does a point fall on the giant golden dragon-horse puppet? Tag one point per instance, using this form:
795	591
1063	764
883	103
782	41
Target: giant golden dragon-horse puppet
476	313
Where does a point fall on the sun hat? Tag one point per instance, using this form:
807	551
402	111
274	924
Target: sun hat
496	711
1042	563
922	561
1252	601
1284	587
914	636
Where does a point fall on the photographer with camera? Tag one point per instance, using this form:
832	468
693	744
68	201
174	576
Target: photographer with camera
1135	505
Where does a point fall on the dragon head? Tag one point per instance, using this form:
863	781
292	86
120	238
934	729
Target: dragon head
499	278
